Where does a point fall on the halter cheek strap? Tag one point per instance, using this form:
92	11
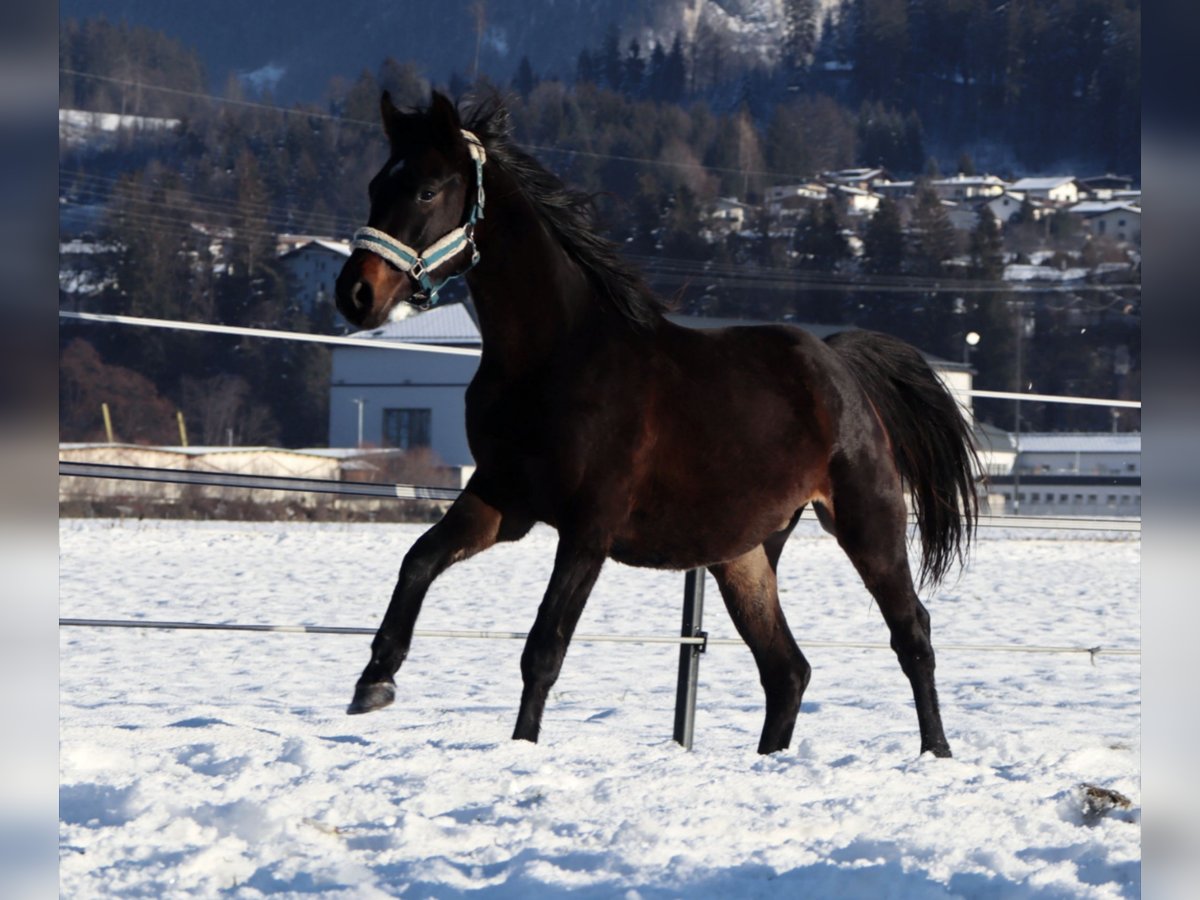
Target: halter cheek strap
423	266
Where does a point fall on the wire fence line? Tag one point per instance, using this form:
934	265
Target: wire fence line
378	344
486	634
424	492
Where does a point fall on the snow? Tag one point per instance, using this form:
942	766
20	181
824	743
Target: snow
79	127
194	763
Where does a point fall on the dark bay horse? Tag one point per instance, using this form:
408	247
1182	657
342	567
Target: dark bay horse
642	441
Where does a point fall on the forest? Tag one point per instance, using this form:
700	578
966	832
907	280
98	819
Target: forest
185	220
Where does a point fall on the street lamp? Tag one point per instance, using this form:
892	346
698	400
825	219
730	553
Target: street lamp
969	340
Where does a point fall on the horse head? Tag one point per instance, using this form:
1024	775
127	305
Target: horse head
424	203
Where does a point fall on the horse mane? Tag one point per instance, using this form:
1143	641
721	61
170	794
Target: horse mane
570	216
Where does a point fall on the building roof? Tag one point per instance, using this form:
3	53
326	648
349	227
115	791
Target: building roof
1041	184
1081	442
1098	207
960	179
341	248
1107	180
452	325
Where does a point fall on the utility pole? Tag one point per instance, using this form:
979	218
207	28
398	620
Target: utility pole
360	403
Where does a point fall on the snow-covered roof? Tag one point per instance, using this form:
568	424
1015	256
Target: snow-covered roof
1081	442
1041	184
960	179
441	325
1097	207
341	248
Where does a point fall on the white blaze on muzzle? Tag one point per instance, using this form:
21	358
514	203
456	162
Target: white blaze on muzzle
424	266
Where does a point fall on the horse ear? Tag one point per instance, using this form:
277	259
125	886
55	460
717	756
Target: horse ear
447	126
393	119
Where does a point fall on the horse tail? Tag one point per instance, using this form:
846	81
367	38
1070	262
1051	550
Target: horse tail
930	439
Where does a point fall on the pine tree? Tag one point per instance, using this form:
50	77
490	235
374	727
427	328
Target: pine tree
800	32
524	80
820	243
932	237
987	248
883	242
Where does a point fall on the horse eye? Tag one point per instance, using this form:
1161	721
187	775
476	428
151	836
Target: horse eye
426	195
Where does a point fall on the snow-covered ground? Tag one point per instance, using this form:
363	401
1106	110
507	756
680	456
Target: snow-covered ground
206	763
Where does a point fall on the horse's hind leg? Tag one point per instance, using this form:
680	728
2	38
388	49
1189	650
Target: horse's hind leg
870	523
749	589
469	526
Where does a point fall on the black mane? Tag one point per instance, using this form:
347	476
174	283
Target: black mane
570	216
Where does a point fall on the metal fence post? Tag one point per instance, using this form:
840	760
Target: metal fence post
689	657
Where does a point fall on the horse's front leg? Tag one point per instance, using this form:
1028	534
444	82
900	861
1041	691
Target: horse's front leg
469	526
576	568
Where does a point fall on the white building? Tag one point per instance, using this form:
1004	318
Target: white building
1008	204
1120	221
312	269
407	398
1076	474
1053	189
789	200
968	187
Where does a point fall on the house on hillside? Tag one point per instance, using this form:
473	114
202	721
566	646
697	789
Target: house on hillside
854	201
788	201
1103	187
1008	204
1110	218
1058	189
728	214
864	179
311	270
968	187
406	395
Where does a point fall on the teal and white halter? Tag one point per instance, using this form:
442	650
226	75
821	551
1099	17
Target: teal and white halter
422	266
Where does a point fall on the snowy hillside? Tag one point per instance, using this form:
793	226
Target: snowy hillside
197	763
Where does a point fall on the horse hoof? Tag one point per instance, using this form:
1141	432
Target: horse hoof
941	751
370	697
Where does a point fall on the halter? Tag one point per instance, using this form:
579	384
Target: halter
422	265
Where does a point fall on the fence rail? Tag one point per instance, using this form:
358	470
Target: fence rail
494	635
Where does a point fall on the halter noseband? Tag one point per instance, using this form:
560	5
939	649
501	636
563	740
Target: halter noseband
421	266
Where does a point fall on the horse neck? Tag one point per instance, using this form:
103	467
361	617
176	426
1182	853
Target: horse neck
529	295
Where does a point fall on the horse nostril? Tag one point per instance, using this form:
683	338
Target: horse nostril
361	295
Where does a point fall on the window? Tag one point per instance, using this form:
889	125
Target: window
406	428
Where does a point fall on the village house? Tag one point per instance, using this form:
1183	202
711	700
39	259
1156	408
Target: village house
855	201
1103	187
788	201
311	269
968	187
1059	189
728	215
1119	221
